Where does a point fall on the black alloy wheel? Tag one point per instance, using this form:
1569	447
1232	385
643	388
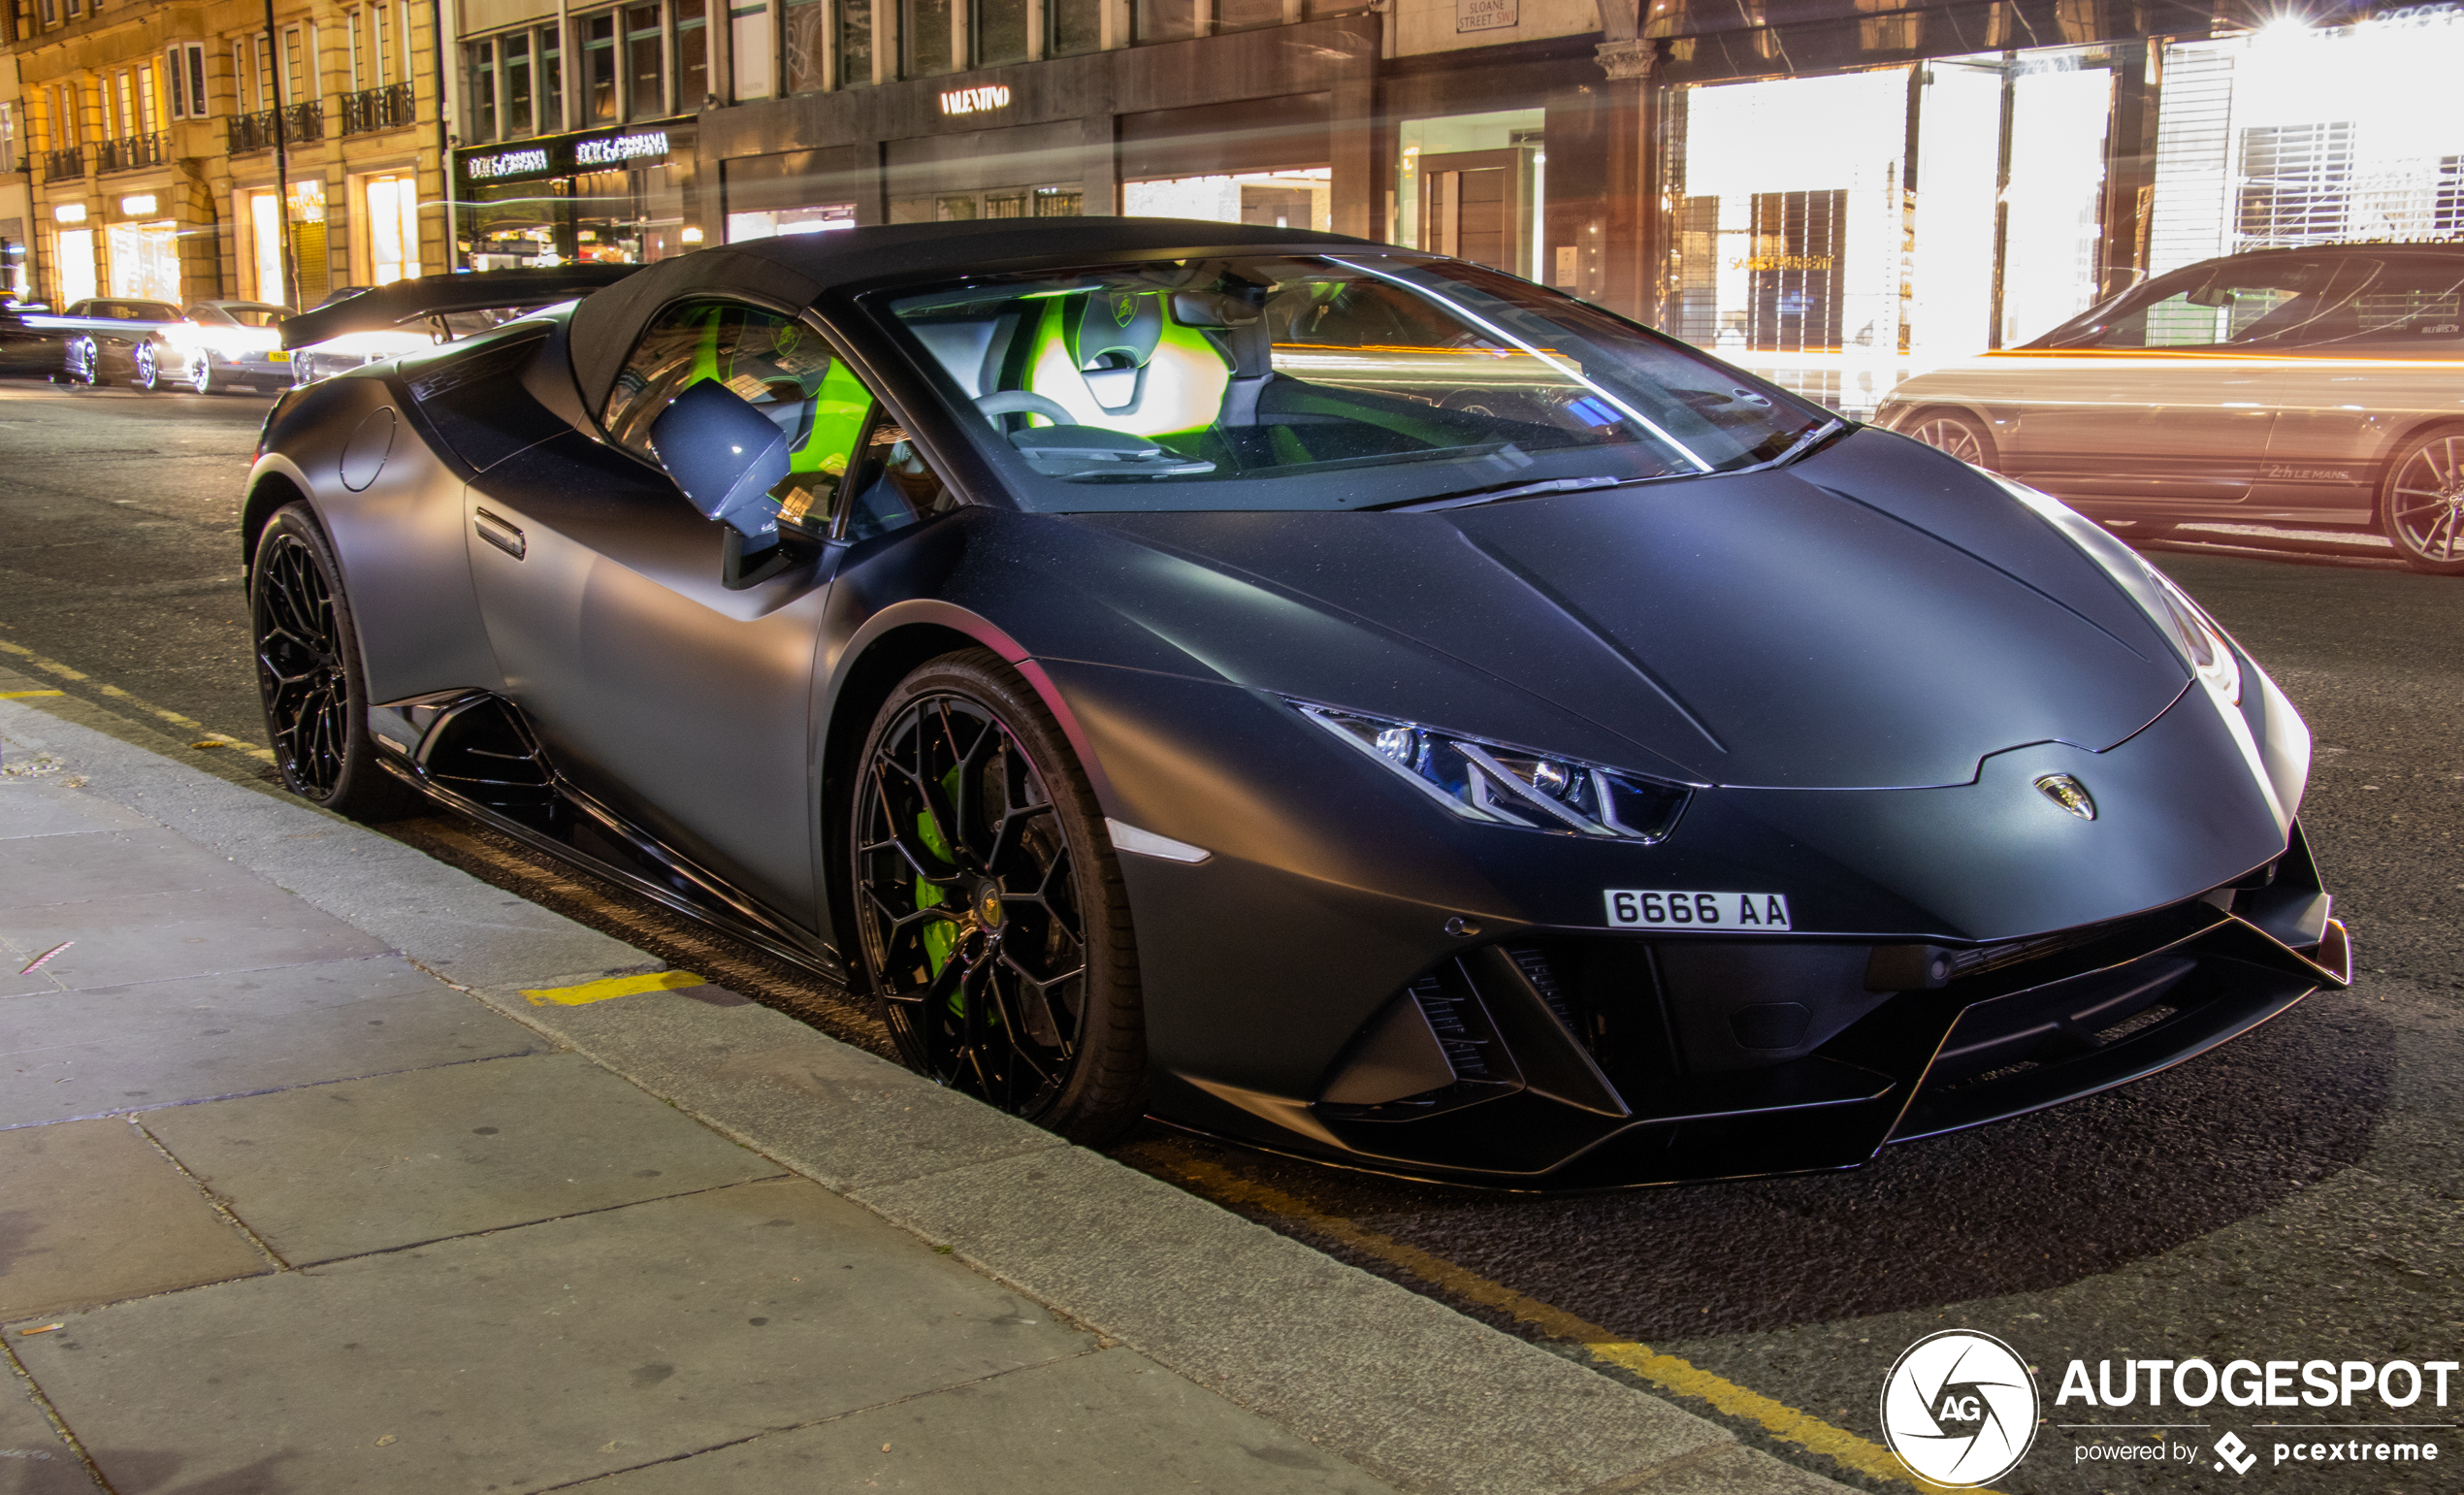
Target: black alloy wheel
2421	503
147	374
309	674
991	918
1957	432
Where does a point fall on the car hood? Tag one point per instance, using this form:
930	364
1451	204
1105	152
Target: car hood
1876	616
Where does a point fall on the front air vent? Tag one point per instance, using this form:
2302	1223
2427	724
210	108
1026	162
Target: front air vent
1451	1018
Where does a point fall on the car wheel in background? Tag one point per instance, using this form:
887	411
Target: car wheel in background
1955	432
309	674
992	926
201	373
84	361
146	373
2421	501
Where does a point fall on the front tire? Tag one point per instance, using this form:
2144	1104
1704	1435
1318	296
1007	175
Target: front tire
993	926
148	372
85	361
308	673
1957	432
2421	503
201	373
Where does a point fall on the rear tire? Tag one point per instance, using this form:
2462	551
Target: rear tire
309	674
1957	432
148	373
991	923
201	374
85	361
2421	501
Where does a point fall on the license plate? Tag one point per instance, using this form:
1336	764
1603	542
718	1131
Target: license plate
278	356
1635	908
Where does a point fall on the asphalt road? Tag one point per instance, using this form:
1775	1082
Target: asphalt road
2292	1196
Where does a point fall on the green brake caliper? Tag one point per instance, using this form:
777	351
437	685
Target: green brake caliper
941	936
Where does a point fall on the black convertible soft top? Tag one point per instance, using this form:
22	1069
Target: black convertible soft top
793	270
389	306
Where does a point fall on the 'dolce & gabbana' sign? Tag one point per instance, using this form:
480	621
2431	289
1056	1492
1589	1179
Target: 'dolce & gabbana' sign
564	155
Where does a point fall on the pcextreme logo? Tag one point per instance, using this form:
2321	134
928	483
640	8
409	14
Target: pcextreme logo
1960	1408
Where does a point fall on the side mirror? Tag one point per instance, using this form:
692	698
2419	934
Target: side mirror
725	456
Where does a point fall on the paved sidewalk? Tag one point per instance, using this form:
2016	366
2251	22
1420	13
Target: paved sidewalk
324	1194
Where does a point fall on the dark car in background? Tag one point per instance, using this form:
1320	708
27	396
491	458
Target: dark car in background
108	337
2305	387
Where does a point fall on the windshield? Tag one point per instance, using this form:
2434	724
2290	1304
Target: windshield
1335	381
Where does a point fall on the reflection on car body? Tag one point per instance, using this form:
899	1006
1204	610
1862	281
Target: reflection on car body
1333	696
2319	386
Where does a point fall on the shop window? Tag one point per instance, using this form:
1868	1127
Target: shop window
264	221
2297	180
145	260
1000	31
73	255
693	56
1059	202
513	61
749	48
1165	21
767	223
1472	185
1296	198
807	60
644	49
481	125
2447	207
1073	26
393	228
599	67
924	38
1793	265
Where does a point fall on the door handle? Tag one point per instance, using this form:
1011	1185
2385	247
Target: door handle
495	532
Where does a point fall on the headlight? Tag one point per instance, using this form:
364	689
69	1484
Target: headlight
2202	642
1511	786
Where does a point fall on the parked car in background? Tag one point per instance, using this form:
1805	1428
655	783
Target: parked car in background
26	350
2315	387
229	345
111	337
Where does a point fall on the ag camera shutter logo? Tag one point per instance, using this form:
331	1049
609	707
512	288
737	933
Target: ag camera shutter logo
1959	1408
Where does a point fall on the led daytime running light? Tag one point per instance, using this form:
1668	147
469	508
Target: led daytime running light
2210	653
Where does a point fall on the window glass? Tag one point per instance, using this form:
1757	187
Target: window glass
483	90
893	486
854	43
643	98
775	363
1076	26
599	66
1000	31
2281	304
551	81
1323	383
693	58
516	65
806	56
923	37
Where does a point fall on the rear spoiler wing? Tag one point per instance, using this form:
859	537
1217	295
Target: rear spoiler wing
389	306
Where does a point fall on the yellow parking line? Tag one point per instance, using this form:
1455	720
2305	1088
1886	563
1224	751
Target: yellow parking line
22	695
54	667
612	986
1665	1371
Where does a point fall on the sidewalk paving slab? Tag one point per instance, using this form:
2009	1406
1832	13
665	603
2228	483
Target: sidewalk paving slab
94	1212
338	1170
1106	1423
93	1052
536	1356
33	1461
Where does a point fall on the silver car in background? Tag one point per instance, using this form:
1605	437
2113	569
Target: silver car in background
2320	387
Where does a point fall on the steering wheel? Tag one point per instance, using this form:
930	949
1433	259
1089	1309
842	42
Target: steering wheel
1023	402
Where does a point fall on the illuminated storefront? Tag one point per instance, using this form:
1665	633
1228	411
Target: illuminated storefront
605	196
1838	232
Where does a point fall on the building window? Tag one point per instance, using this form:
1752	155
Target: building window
749	45
513	61
808	58
185	75
2295	182
693	55
599	66
924	38
52	17
1074	26
854	41
1000	31
551	81
1166	21
8	137
644	46
385	38
482	123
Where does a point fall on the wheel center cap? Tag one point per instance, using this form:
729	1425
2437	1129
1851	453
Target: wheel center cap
986	905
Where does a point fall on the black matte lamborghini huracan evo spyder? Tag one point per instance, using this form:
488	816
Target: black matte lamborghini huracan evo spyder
1318	693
